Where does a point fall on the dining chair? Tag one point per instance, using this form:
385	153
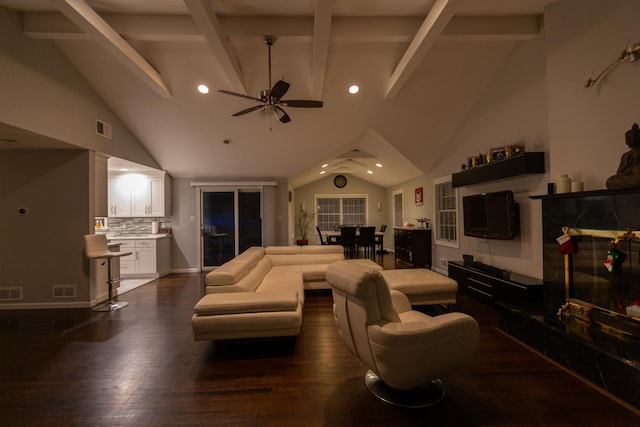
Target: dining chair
348	241
380	239
322	241
367	241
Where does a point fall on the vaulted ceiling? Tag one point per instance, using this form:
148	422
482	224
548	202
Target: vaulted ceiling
420	66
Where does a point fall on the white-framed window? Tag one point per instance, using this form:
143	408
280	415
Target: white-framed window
446	210
332	211
398	208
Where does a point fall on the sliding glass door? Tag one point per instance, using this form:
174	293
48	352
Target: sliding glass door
231	222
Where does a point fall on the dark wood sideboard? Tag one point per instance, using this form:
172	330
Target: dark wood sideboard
413	246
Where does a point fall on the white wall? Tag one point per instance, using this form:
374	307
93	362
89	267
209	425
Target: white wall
355	186
538	98
184	250
45	247
587	126
44	94
512	110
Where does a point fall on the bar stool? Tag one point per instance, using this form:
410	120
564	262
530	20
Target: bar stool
95	247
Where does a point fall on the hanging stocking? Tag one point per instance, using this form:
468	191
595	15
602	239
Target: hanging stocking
567	245
612	258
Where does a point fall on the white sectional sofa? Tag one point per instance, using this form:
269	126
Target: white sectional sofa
260	293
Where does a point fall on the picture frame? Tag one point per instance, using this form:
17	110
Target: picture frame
472	162
499	153
419	196
101	223
517	149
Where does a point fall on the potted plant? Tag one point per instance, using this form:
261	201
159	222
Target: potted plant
303	220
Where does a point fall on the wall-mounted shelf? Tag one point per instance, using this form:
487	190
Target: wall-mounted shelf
521	164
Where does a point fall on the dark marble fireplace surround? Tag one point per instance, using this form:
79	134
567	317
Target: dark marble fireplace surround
600	346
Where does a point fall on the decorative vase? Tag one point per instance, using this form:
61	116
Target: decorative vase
563	185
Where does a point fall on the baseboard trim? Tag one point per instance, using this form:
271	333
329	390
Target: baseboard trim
440	270
185	270
45	305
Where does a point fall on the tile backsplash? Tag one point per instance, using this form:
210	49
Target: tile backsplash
134	225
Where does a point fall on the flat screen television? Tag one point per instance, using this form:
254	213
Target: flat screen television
491	215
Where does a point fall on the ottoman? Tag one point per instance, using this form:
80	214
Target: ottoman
422	286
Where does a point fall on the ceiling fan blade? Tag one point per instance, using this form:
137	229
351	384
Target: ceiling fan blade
279	89
301	103
285	117
239	95
248	110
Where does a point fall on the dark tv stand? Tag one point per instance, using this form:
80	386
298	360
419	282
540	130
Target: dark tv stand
489	269
489	284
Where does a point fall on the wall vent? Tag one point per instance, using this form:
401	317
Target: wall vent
103	129
63	291
13	293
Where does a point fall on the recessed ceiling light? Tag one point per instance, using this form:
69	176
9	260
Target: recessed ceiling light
323	172
353	89
202	88
379	165
370	172
325	165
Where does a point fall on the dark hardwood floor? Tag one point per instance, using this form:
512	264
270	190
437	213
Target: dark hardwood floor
140	367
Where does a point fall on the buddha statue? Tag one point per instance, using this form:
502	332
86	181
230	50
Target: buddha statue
628	173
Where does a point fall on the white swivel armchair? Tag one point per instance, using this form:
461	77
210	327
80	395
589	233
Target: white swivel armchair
96	247
406	351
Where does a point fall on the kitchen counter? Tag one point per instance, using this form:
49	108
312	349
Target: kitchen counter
150	254
136	236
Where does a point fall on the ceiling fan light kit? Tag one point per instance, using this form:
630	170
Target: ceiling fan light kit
270	100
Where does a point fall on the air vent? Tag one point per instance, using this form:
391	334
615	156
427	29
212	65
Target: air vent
63	291
103	129
11	293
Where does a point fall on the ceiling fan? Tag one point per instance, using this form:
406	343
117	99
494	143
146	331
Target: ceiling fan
271	101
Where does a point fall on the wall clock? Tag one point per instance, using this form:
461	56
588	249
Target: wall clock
340	181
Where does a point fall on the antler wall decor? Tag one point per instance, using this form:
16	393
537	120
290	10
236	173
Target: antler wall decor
630	54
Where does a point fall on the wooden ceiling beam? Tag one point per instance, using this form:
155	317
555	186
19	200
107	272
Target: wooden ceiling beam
430	30
208	24
81	14
55	26
321	40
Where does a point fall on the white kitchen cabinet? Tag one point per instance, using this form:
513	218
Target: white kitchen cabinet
139	195
119	197
145	256
149	258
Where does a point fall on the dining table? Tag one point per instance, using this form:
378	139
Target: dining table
332	237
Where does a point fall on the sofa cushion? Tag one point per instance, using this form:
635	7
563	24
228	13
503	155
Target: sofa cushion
413	281
304	259
313	272
252	280
252	255
280	279
282	250
228	273
322	249
247	302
